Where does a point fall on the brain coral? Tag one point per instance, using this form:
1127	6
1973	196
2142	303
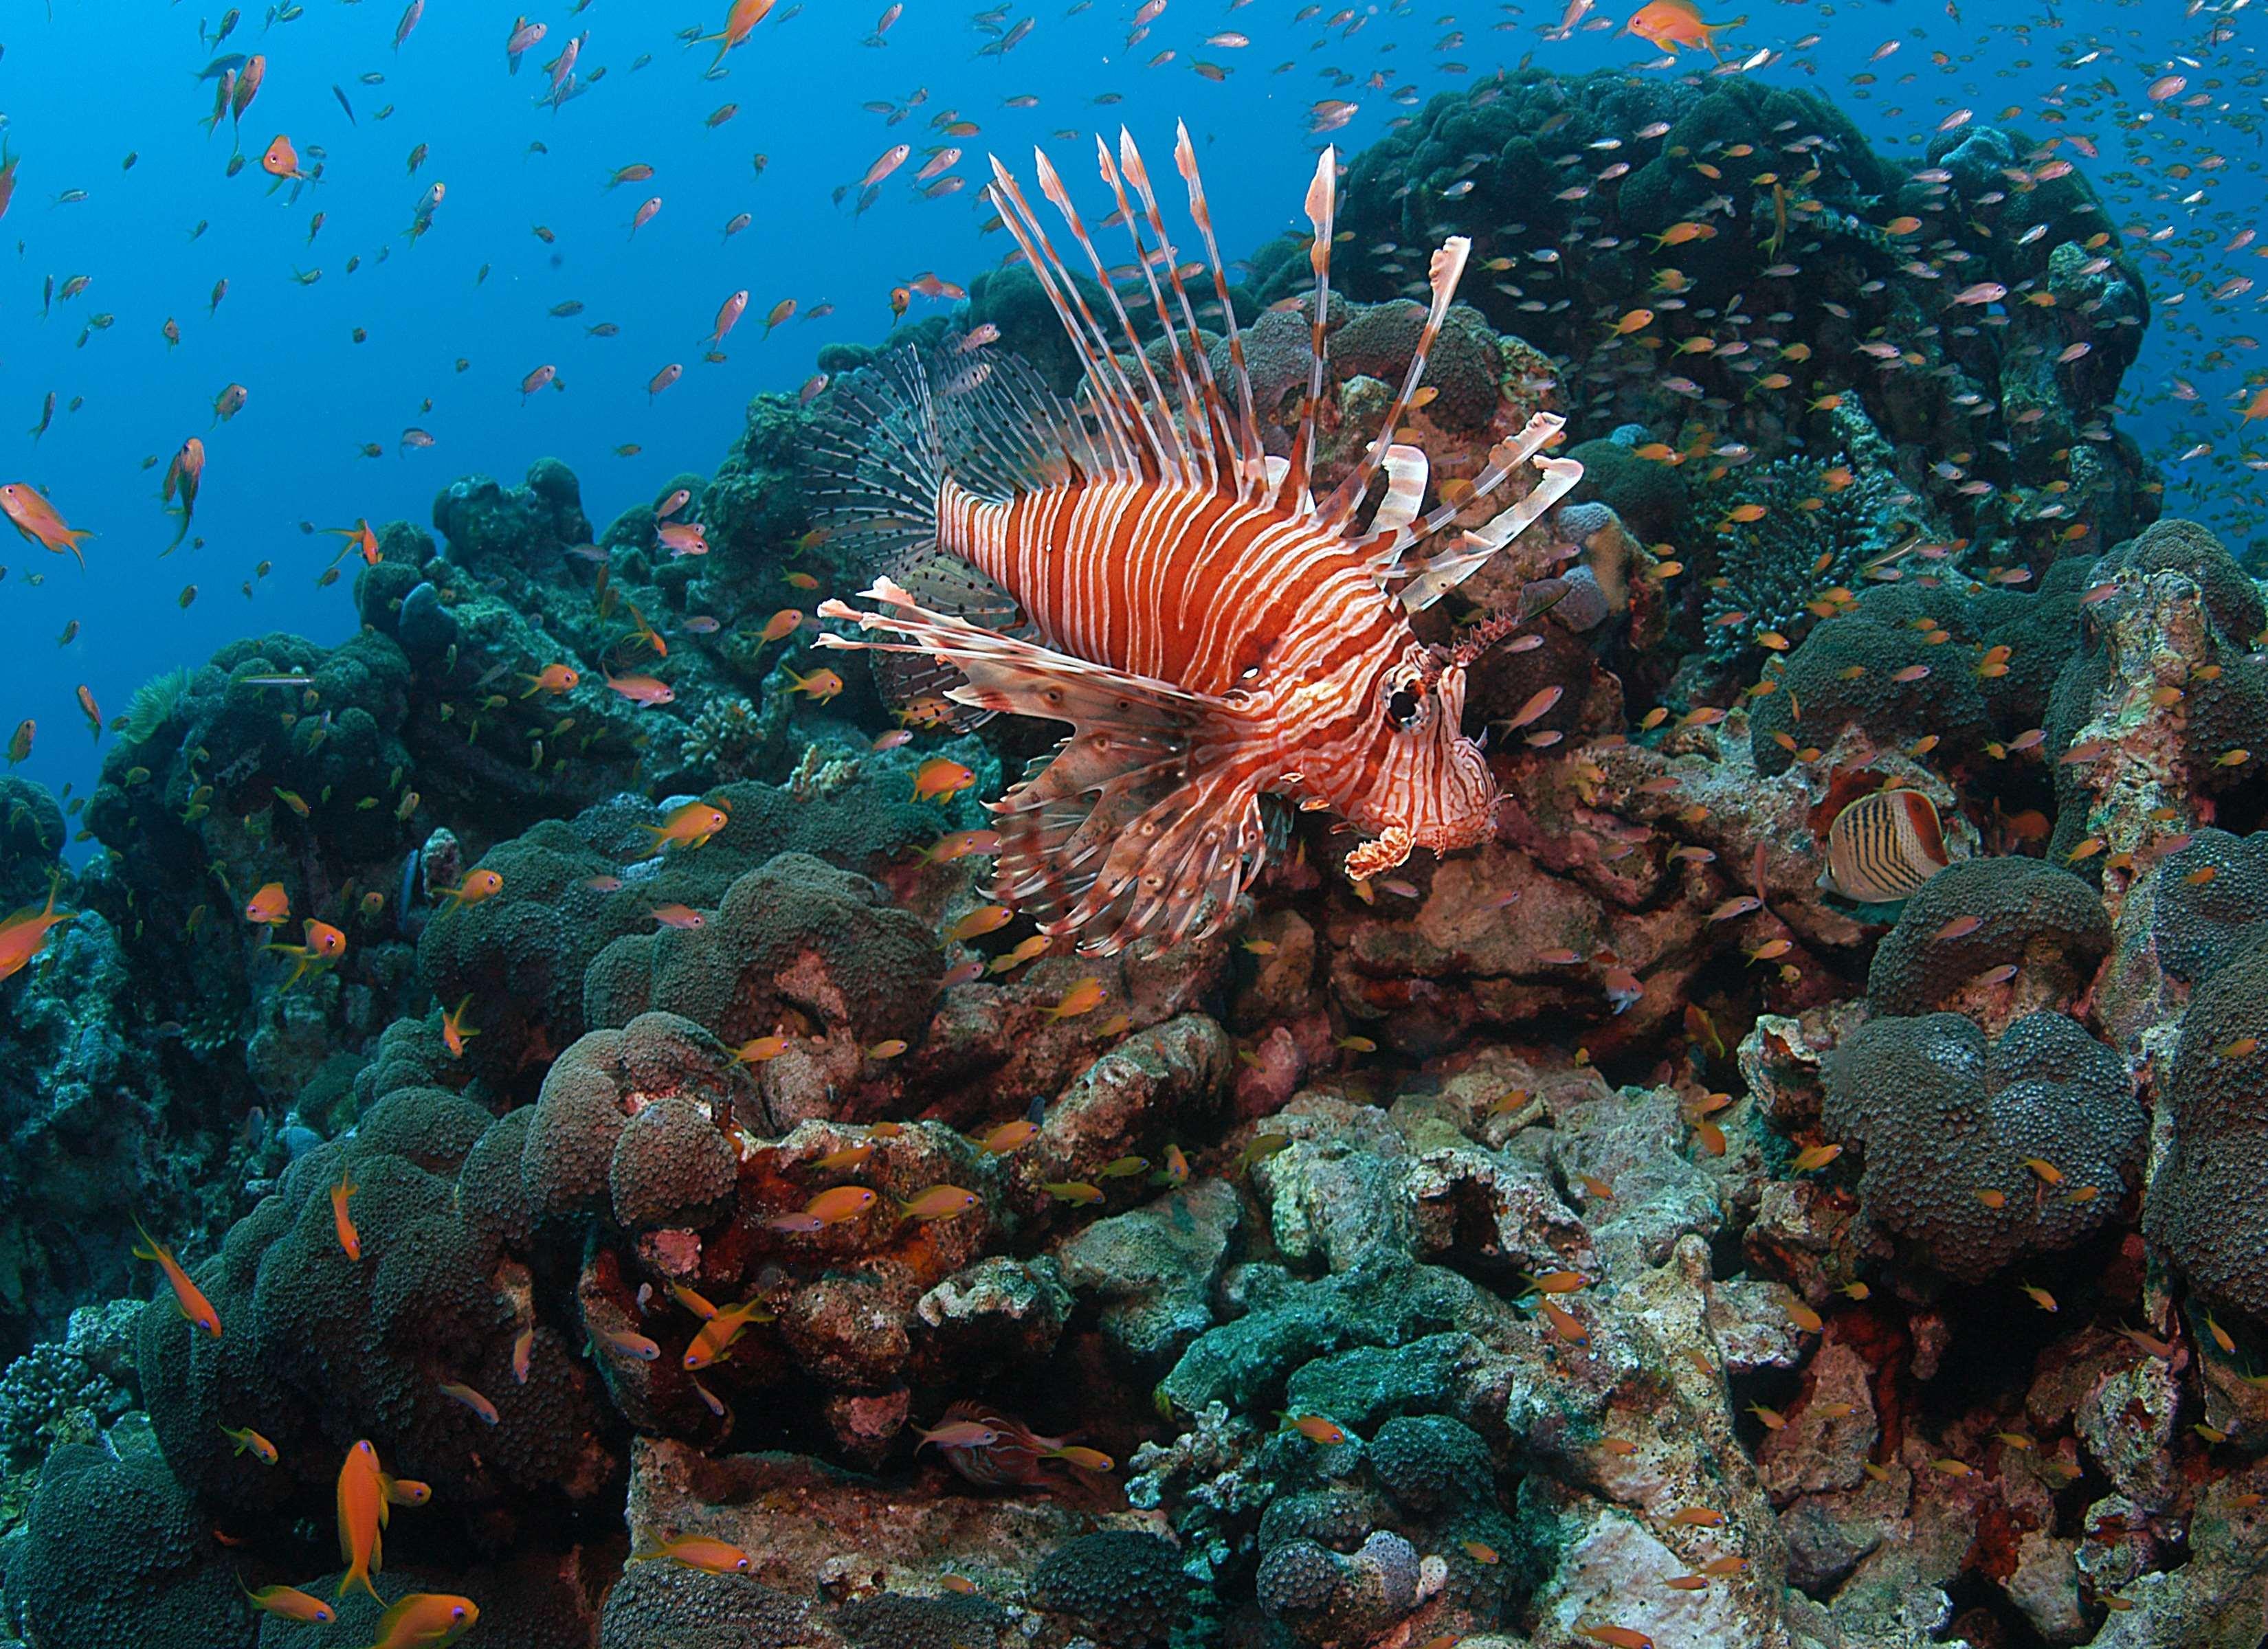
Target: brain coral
2044	921
571	887
590	1137
1950	1126
2204	1211
796	944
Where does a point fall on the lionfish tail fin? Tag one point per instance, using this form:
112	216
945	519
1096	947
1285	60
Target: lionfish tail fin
1122	833
902	445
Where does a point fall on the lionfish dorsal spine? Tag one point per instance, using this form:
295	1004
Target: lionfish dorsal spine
1198	455
1222	440
1115	418
1446	269
1161	453
1252	468
1322	214
1406	473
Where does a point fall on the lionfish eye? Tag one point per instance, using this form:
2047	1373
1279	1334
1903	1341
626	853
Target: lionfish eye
1403	706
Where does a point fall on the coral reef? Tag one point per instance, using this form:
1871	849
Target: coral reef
729	1227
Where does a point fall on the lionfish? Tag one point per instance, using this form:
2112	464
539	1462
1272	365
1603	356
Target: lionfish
1135	563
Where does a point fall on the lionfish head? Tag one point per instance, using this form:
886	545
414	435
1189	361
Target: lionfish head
1429	786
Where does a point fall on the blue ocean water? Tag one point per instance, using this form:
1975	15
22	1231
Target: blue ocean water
452	323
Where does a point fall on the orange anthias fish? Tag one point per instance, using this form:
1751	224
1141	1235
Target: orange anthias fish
554	678
23	935
426	1620
325	945
1262	646
722	1328
740	22
342	1221
290	1603
8	163
282	161
362	1517
361	539
940	778
691	827
1672	23
189	1298
37	520
183	476
454	1032
477	886
696	1551
270	907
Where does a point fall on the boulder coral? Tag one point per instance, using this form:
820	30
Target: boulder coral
1980	1152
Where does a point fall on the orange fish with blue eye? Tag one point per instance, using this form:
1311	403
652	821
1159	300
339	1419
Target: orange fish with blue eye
1673	23
289	1603
189	1298
362	1517
324	947
270	907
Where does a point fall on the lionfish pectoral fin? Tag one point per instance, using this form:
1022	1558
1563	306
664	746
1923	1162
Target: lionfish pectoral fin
1118	838
943	583
1126	831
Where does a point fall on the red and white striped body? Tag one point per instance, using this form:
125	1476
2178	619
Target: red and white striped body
1254	605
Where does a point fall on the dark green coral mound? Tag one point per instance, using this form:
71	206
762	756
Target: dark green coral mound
662	1605
2046	922
898	1620
1949	1125
2204	1211
1123	1586
116	1553
319	1348
2198	926
1649	497
1859	670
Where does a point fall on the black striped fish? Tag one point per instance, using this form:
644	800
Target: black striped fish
1883	847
